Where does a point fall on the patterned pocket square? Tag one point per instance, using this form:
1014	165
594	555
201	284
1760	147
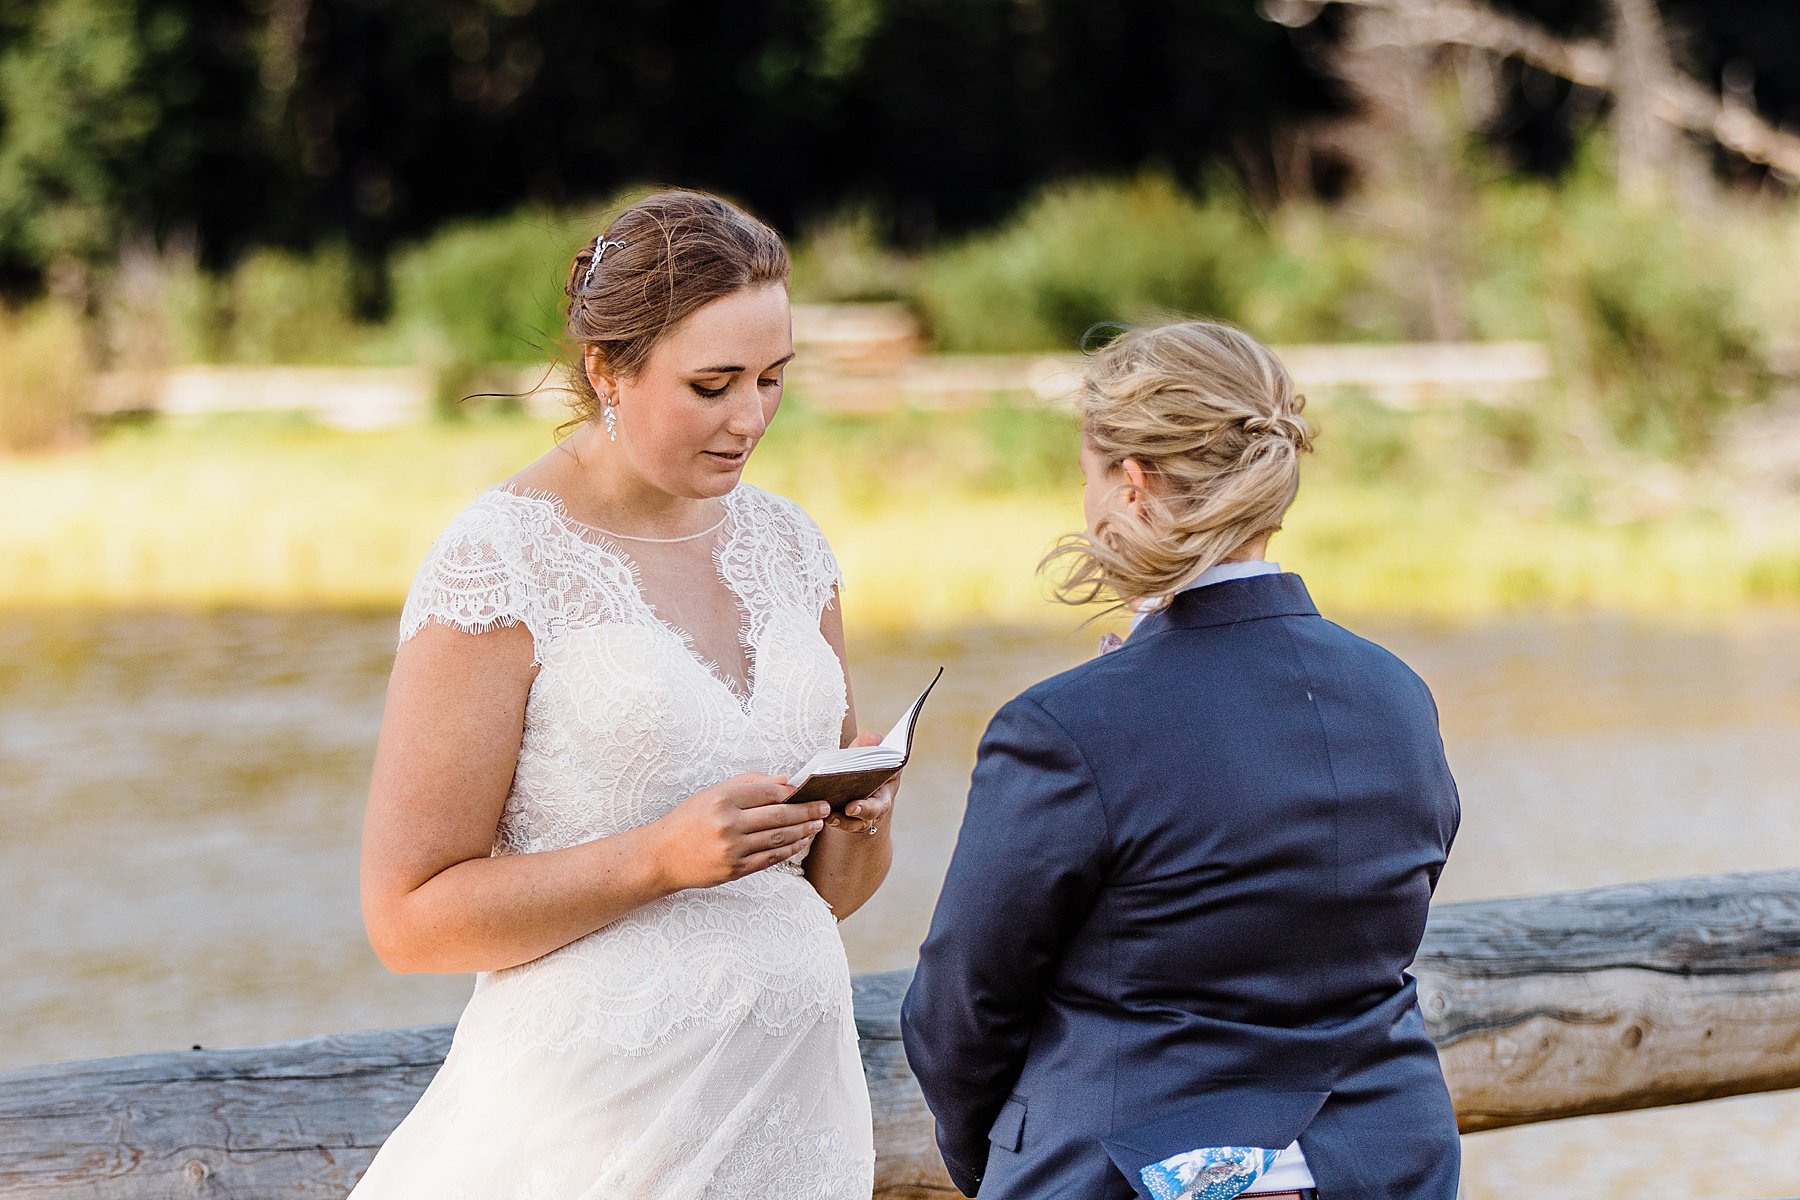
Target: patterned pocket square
1110	642
1213	1173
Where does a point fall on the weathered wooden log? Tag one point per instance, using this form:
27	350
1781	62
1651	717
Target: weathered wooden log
1617	998
1543	1007
907	1166
298	1119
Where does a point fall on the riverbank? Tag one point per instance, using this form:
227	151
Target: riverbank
938	519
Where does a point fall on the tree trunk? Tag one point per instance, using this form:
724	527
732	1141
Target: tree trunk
1647	145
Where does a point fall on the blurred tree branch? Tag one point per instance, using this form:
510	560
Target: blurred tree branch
1675	99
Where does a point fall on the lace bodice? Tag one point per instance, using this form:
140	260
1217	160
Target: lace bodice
702	1045
625	720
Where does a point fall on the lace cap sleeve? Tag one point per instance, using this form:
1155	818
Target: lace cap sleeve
476	578
817	566
827	576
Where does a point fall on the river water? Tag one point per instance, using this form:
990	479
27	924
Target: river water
182	793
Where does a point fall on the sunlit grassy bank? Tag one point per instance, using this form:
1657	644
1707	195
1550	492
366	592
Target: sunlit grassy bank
938	519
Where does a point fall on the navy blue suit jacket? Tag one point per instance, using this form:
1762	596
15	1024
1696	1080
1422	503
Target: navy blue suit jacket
1190	880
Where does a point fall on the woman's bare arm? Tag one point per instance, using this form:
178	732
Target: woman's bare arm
847	863
433	899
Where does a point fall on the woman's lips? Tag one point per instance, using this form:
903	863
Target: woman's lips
728	458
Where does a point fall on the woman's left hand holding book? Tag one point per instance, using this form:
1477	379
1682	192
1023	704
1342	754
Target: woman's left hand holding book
871	812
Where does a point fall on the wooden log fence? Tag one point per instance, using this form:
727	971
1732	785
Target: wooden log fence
1543	1007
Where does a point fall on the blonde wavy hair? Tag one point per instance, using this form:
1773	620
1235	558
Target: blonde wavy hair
1212	417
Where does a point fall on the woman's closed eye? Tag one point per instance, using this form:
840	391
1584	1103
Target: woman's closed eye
724	384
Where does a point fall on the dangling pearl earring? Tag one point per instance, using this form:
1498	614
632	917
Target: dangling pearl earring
611	415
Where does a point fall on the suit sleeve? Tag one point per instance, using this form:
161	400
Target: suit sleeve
1028	864
1449	809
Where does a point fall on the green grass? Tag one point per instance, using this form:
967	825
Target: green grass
938	519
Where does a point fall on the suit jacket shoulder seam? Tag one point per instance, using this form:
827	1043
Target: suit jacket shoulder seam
1087	766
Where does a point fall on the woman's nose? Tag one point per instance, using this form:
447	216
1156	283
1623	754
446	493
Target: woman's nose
748	417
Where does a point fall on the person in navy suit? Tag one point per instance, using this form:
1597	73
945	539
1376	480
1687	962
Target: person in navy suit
1170	956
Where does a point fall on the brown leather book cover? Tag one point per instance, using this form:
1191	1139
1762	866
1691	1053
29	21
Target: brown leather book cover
839	790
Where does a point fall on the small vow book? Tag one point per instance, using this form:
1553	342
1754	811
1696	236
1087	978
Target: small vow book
844	776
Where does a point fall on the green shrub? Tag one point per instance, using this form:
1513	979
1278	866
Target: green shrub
1646	309
139	321
1666	352
1083	254
194	311
46	375
1506	290
844	259
488	291
282	307
1660	327
1361	439
1026	449
1317	281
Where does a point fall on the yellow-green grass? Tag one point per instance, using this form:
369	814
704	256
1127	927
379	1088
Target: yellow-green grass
935	521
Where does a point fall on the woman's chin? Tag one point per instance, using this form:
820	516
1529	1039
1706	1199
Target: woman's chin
719	472
711	485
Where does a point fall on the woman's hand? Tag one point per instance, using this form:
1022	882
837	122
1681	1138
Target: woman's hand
848	865
869	814
734	828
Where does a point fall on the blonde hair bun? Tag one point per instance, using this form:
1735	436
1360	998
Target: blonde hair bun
1212	416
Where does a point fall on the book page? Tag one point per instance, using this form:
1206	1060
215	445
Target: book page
892	750
899	738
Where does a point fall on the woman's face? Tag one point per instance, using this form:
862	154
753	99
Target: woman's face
689	420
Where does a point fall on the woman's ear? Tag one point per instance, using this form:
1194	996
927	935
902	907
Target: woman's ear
1137	485
605	385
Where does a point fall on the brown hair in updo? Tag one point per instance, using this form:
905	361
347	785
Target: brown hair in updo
669	255
1213	418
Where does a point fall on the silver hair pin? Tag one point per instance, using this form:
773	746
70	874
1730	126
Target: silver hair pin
600	245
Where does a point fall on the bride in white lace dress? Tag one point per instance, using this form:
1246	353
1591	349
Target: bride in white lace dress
607	666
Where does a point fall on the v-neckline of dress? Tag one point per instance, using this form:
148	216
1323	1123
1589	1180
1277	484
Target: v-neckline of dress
607	542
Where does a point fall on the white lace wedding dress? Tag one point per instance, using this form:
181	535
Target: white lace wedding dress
703	1045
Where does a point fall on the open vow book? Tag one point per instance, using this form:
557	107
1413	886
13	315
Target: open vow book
841	777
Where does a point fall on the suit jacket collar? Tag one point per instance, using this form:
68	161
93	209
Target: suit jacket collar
1228	603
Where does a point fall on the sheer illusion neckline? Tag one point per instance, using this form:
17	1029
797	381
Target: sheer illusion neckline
729	527
686	537
561	508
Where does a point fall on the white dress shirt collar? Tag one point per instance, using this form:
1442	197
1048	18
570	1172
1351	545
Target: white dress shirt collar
1217	573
